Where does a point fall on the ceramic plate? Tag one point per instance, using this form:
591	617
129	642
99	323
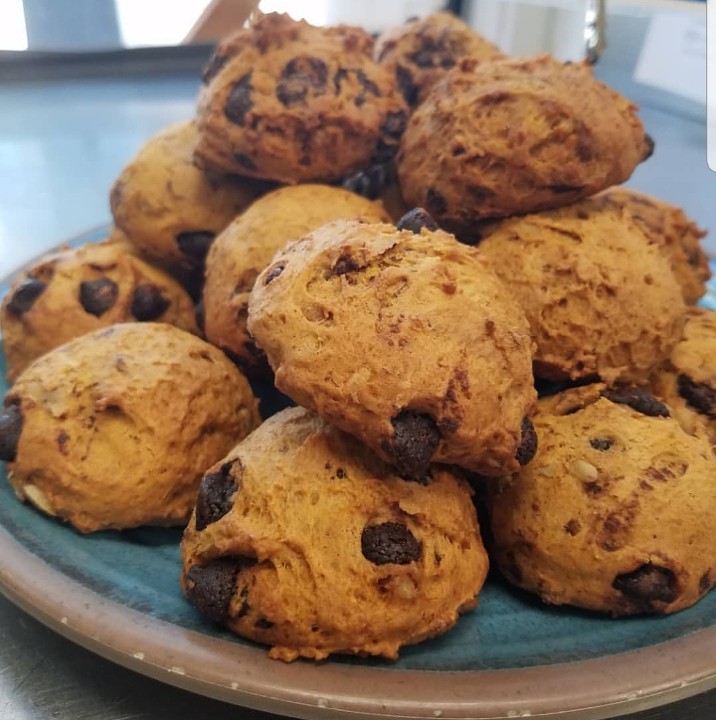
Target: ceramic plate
117	593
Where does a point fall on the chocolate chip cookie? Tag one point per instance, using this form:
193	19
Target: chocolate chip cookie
303	540
114	429
422	50
601	298
77	290
674	232
616	511
405	339
247	246
170	208
287	101
515	136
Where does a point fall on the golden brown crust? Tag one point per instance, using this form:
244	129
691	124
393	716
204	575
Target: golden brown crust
516	136
248	244
307	519
80	290
290	102
376	328
600	298
119	424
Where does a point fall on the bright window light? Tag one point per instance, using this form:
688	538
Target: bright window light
159	22
13	33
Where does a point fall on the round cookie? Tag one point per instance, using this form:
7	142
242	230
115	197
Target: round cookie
687	380
290	102
303	540
668	226
405	339
247	246
601	299
616	511
74	291
169	207
516	136
421	51
114	429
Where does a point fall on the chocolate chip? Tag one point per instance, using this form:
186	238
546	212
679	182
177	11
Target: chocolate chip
436	203
638	399
299	77
601	443
10	429
98	296
648	584
408	89
148	303
239	101
216	491
367	86
572	527
650	145
416	436
209	589
273	273
195	244
345	264
698	395
24	296
371	181
389	542
528	444
213	67
417	219
200	315
433	54
394	124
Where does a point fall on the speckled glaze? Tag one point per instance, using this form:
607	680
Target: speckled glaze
118	594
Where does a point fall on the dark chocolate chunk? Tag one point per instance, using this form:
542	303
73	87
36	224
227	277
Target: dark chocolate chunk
408	89
528	444
601	443
25	295
433	54
209	589
414	442
10	429
417	219
394	124
98	296
371	181
636	398
299	77
273	273
699	396
389	542
195	244
648	584
650	145
148	303
239	102
367	86
436	203
213	67
216	491
344	265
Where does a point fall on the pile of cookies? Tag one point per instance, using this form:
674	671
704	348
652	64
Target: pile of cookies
422	244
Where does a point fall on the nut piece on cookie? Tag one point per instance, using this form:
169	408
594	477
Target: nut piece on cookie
114	429
287	101
516	136
77	290
408	341
248	245
303	540
170	208
601	298
421	51
671	229
616	511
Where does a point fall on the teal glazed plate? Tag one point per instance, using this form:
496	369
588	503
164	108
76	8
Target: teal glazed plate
117	594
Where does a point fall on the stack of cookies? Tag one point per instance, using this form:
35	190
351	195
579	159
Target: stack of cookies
421	244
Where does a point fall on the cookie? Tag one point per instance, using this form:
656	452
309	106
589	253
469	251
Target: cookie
303	540
170	208
406	340
247	246
687	380
114	429
516	136
601	298
422	50
287	101
674	232
615	513
77	290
